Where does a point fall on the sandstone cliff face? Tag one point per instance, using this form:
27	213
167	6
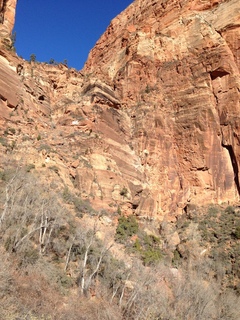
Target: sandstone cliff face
175	67
151	123
7	16
9	83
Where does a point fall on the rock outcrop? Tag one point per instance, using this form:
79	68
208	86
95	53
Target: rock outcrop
175	67
151	123
7	16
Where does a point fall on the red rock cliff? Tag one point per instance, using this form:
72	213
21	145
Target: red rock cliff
7	15
151	124
175	67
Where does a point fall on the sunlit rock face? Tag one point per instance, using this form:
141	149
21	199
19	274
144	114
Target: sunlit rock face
7	15
175	67
151	124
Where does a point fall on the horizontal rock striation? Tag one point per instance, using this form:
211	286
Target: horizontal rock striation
175	66
151	124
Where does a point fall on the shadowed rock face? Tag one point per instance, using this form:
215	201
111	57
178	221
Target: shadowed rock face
155	109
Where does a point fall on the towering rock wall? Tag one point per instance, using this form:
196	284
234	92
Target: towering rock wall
175	67
151	124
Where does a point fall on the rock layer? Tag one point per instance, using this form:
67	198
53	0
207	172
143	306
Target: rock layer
151	123
175	66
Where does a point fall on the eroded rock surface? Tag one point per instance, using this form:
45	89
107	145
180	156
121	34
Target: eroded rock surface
7	15
175	66
151	123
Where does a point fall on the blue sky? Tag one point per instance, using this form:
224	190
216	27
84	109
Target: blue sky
63	29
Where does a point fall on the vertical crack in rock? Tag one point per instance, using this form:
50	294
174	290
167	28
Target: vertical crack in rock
234	165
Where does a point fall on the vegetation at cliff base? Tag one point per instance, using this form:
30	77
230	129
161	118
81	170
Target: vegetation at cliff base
54	249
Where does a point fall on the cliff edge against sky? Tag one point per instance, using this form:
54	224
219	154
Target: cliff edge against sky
151	123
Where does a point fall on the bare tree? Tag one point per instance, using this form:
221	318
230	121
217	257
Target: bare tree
28	211
91	261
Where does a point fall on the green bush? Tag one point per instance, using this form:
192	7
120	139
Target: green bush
151	256
229	210
212	211
33	57
127	226
147	247
3	141
237	232
151	252
137	246
3	175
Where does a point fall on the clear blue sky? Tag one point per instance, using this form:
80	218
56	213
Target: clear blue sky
61	29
